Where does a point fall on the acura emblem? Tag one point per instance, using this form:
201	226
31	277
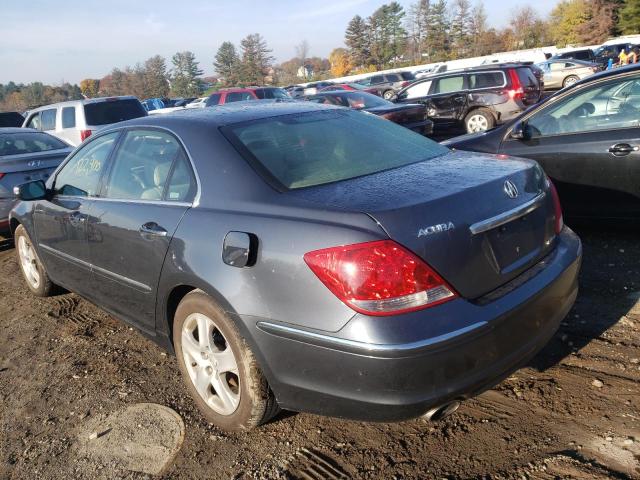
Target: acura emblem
510	189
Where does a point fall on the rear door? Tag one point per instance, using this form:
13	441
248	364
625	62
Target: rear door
589	145
61	221
148	189
448	100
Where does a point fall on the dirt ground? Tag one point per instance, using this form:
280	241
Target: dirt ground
573	412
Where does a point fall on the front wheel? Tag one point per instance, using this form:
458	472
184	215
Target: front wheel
218	367
479	121
33	271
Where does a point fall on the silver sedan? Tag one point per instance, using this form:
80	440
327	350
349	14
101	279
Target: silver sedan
560	73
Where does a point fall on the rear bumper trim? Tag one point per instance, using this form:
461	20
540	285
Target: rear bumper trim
363	348
508	216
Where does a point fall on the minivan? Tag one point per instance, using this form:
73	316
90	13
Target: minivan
76	120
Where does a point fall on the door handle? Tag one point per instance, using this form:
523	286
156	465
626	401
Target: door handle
622	149
152	228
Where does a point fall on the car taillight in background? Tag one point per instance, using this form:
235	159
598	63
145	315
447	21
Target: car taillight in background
405	83
379	278
84	134
559	221
389	116
2	175
516	92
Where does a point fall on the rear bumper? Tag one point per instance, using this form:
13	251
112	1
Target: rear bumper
452	351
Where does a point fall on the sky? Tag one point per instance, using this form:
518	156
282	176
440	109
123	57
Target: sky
66	41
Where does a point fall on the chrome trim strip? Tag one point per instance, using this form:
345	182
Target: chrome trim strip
141	201
508	216
362	347
101	271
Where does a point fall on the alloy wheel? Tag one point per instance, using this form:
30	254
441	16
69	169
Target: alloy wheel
28	261
477	123
211	364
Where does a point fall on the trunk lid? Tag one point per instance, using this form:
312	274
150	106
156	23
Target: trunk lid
454	212
402	113
19	169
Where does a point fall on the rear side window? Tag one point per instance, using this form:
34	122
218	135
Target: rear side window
582	55
487	80
393	78
408	76
48	119
377	79
113	111
527	78
293	150
142	166
80	175
238	97
448	84
68	117
271	93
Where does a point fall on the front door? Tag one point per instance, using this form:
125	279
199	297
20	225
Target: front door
61	221
149	188
589	145
447	100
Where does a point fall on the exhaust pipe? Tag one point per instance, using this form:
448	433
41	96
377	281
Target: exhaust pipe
438	413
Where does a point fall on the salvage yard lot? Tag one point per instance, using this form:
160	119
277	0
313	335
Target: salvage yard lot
573	412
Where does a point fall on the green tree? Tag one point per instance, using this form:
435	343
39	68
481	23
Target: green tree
460	29
629	17
386	33
529	30
156	79
227	63
356	38
437	40
569	16
256	60
601	21
417	19
184	77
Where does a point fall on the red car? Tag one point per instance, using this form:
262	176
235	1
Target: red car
344	87
243	94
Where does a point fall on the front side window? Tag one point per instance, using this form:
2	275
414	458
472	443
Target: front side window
48	119
293	149
606	106
142	165
449	84
81	174
416	90
34	122
68	117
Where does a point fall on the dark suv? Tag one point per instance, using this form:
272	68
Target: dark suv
476	99
387	85
585	54
612	51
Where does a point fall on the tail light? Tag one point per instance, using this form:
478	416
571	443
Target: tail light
2	175
404	84
84	134
559	220
389	116
516	92
379	278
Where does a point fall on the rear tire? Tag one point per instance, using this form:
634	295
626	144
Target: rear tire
218	367
388	94
479	120
570	80
33	272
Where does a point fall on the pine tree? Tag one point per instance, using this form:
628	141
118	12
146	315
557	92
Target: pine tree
417	28
256	60
227	63
460	31
356	39
437	40
386	33
155	77
629	17
184	78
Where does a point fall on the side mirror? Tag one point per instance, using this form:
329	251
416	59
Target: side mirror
35	190
520	131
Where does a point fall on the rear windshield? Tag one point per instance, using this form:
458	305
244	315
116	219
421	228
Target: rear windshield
527	78
112	111
11	119
315	148
28	142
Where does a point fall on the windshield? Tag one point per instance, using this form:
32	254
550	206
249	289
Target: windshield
112	111
315	148
28	142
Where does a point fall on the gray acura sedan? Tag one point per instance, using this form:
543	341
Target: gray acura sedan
307	257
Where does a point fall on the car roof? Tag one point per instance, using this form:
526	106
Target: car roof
19	130
85	101
227	114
